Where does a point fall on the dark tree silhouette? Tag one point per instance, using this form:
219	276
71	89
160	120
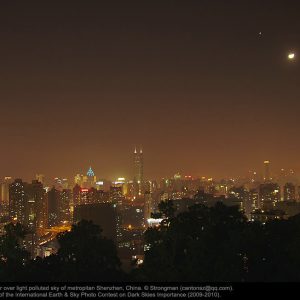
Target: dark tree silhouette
219	244
84	255
167	208
87	255
203	244
13	256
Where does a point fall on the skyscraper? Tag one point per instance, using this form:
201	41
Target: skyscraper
269	195
5	196
254	198
90	178
17	201
267	177
76	195
36	206
147	207
289	192
78	179
40	178
65	205
54	199
116	195
138	172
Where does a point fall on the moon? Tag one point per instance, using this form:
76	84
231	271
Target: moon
291	56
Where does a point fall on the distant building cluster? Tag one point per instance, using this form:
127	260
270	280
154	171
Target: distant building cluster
125	208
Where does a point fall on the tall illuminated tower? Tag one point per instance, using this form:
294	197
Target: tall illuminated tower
267	177
138	172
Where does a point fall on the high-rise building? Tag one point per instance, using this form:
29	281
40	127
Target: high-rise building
5	196
90	178
17	201
84	196
86	181
120	182
65	206
28	205
289	192
60	183
88	196
116	195
36	210
40	178
254	198
103	185
267	177
150	186
78	179
116	198
130	189
54	199
269	195
138	172
243	195
147	208
35	216
102	196
76	195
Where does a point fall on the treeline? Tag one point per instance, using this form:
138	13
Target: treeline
202	244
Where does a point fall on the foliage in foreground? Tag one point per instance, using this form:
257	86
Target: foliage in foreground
84	255
219	244
202	245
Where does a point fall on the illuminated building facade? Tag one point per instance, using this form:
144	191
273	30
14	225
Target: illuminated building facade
264	216
267	176
17	201
76	195
86	181
289	192
254	198
5	196
147	207
65	206
138	172
78	179
84	196
60	183
36	210
116	195
269	195
90	178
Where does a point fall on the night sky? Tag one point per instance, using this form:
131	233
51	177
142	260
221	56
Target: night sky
193	82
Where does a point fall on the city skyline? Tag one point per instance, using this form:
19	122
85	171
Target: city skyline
208	89
149	148
265	172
